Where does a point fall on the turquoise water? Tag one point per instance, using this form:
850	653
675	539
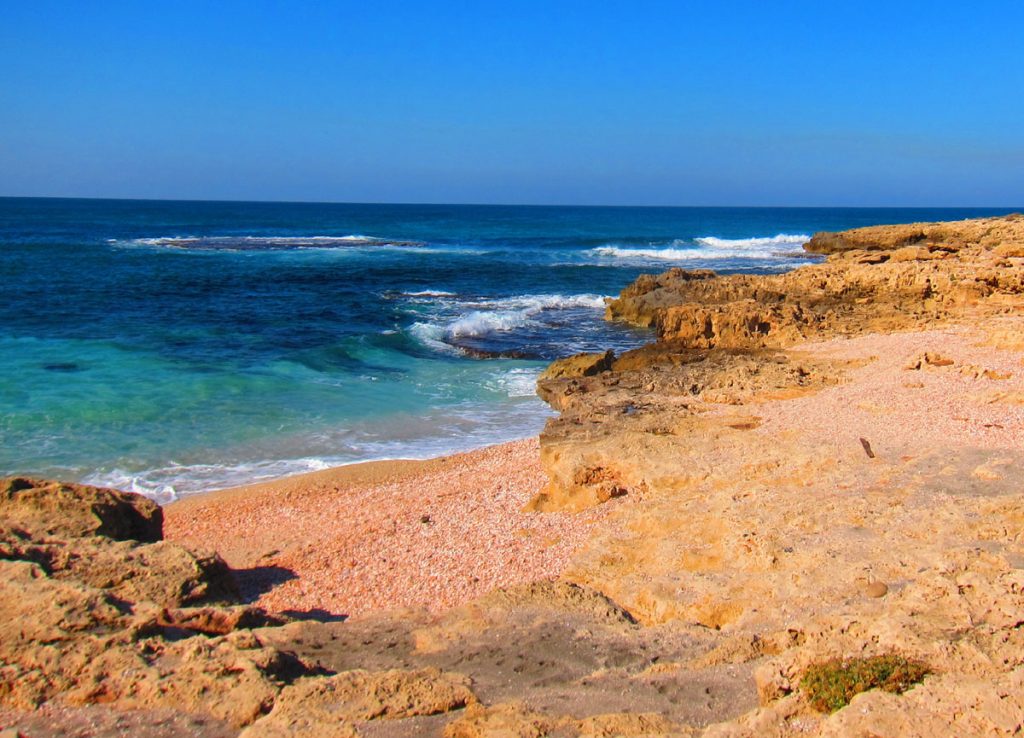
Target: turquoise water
171	347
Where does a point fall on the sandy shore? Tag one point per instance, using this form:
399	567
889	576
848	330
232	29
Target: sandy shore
387	534
434	534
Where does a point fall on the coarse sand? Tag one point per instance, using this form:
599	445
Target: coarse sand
385	535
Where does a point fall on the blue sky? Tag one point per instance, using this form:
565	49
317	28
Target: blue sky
659	103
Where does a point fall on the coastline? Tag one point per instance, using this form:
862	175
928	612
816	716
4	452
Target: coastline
812	473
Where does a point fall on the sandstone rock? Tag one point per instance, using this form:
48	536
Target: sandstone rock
564	596
760	534
364	695
878	238
76	510
512	720
80	613
725	339
900	286
299	726
162	572
516	720
580	365
630	725
926	360
217	621
1010	250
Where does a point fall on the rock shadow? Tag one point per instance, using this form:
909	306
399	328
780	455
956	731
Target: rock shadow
259	580
317	614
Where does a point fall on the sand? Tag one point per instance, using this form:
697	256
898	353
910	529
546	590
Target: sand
968	393
385	535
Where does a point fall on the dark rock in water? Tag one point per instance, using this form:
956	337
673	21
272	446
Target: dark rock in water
475	352
77	510
67	368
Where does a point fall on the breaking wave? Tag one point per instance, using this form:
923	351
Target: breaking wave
781	240
783	245
479	318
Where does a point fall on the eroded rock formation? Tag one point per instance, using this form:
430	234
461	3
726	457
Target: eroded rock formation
821	464
158	646
722	339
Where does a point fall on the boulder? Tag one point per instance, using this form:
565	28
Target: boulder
580	365
65	510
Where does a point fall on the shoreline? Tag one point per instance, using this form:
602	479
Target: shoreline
397	462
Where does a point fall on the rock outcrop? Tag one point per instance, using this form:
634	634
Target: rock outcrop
54	509
96	609
871	282
723	339
820	465
127	649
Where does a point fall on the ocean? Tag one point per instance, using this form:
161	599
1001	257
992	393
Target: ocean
175	347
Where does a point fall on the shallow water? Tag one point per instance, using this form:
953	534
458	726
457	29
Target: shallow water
170	347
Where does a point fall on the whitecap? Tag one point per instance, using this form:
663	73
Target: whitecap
432	335
783	245
774	243
429	293
480	323
519	382
499	315
169	483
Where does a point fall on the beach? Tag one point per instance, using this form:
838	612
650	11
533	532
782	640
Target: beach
389	534
794	512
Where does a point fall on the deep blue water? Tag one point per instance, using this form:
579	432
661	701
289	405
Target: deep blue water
170	347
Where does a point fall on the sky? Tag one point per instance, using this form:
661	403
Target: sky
554	102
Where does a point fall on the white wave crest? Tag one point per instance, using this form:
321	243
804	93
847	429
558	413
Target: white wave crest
481	323
486	316
781	240
432	336
167	484
533	304
429	293
708	248
666	254
519	382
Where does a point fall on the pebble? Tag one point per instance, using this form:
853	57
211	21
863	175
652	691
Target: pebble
876	589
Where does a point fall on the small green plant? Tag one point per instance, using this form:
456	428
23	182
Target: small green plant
831	685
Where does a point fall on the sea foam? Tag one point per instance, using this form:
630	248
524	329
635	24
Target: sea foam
712	247
479	318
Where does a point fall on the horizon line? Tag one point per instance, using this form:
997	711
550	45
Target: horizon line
506	205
